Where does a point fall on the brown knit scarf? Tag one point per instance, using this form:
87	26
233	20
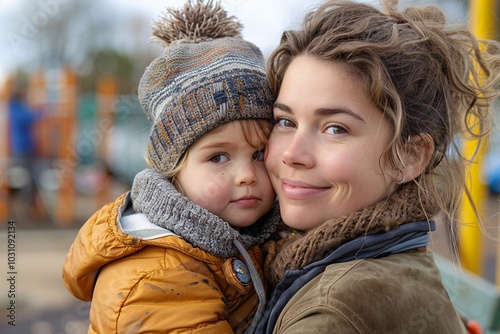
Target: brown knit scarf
290	250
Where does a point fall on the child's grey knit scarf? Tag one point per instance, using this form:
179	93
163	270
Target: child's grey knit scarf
155	196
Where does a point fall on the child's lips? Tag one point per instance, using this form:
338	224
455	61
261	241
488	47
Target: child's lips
247	201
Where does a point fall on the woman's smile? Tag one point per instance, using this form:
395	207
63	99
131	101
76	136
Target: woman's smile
299	191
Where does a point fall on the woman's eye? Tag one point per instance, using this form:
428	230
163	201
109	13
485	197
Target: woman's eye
258	155
335	129
285	122
218	158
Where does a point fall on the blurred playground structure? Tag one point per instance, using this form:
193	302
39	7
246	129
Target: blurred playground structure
73	155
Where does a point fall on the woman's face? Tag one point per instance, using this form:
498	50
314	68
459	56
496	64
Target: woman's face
324	153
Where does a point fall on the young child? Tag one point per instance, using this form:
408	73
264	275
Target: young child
180	251
363	157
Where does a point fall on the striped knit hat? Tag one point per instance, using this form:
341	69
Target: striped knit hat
207	76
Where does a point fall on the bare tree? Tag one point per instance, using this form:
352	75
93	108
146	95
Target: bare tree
50	33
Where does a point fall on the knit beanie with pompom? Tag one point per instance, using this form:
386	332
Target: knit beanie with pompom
207	76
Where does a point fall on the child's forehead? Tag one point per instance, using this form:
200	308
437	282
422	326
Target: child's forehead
247	132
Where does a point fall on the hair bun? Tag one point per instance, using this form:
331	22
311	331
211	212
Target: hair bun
429	13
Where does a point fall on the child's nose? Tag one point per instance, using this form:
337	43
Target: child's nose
246	174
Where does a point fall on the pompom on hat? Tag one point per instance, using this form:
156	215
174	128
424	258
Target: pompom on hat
207	76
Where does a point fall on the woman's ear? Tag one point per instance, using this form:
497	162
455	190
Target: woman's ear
419	150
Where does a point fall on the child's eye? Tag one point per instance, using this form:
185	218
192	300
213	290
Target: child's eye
258	155
218	158
284	122
335	129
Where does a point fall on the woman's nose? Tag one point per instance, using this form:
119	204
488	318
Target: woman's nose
298	152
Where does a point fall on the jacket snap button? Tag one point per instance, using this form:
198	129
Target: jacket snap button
241	271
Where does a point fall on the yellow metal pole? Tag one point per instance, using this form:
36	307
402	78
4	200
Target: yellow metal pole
483	25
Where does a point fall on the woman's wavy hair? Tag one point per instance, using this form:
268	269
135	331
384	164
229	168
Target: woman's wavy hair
428	78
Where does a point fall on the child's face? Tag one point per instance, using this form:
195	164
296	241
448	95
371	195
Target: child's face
226	175
324	152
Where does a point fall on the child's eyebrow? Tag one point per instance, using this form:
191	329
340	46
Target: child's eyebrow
216	144
212	146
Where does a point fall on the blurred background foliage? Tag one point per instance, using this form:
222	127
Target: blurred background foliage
92	37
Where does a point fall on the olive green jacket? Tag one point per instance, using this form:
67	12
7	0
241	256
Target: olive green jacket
403	293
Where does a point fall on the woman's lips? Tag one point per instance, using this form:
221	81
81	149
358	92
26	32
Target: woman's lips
300	190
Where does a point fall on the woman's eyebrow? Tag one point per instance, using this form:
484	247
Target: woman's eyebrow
322	111
333	111
282	107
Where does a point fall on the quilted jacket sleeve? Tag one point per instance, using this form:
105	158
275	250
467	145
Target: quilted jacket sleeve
133	298
98	242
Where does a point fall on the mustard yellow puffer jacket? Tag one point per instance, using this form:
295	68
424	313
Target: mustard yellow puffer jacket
161	285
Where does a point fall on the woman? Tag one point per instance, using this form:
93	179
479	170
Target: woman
362	158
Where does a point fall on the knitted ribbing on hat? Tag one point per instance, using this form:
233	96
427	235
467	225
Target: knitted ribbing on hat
154	196
207	76
294	252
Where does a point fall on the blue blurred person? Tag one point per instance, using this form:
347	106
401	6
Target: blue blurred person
22	119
